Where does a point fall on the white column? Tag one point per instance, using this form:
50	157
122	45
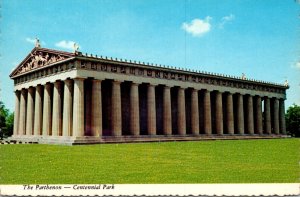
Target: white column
78	108
68	108
207	112
30	110
116	109
57	113
282	117
240	116
47	110
167	114
22	117
267	116
258	116
195	112
151	110
17	112
250	122
96	121
134	110
276	116
219	113
38	109
230	116
181	112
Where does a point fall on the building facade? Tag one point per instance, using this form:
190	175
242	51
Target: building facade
72	98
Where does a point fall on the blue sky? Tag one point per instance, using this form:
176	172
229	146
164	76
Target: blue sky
255	37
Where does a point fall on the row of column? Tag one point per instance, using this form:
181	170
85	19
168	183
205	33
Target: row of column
53	116
37	112
254	119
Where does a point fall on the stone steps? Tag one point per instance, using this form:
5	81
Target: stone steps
134	139
3	142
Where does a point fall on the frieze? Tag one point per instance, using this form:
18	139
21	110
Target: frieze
157	74
114	68
140	71
149	73
93	66
43	73
123	70
132	71
185	77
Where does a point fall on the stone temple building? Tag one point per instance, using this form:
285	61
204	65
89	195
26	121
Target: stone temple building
75	98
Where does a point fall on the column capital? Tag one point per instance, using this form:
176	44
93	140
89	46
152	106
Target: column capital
57	84
68	79
117	82
48	83
31	89
151	84
79	78
39	86
24	91
68	82
57	81
240	94
135	84
97	80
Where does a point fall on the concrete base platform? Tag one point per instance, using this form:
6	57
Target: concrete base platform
134	139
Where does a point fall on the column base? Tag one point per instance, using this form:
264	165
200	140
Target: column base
65	140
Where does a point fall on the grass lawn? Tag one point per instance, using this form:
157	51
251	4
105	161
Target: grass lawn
220	161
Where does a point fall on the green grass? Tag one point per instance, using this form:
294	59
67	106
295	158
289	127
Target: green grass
227	161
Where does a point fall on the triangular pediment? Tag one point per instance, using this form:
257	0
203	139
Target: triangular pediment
40	57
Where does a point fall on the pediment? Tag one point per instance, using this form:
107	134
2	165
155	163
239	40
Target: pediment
40	57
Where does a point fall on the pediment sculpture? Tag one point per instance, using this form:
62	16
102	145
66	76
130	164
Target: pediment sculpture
39	59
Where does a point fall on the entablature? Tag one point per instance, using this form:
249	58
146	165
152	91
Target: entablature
40	64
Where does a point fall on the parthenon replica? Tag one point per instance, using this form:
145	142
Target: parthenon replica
75	98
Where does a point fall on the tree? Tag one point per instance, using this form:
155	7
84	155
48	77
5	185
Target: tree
9	125
6	121
293	120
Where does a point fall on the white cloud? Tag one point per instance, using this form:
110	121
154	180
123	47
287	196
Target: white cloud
65	44
226	19
297	65
32	41
197	27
